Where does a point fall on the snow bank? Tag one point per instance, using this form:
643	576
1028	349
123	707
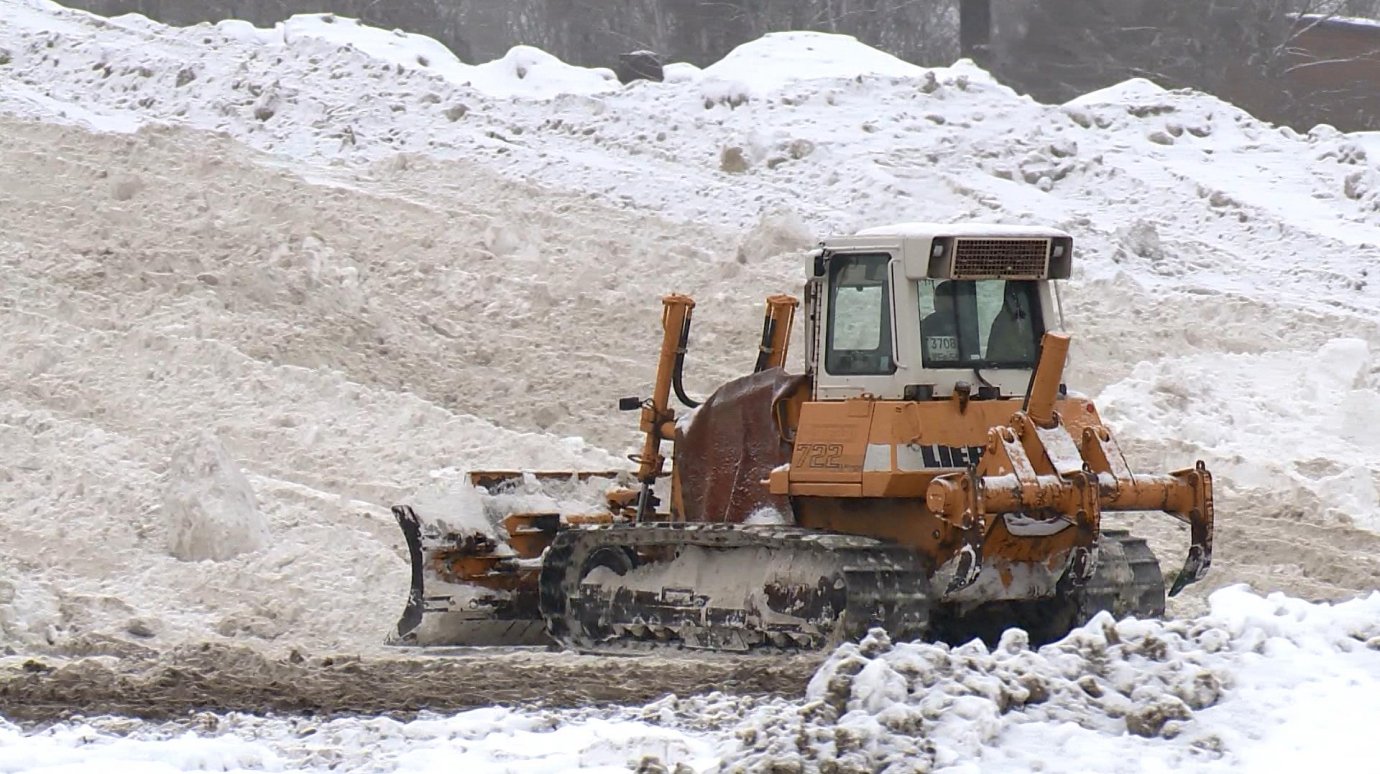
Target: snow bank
1259	683
1292	427
779	60
523	72
1219	693
425	271
782	58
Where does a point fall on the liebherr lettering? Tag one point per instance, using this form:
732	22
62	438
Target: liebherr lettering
936	456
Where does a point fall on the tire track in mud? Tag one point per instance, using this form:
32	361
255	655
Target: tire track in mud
221	678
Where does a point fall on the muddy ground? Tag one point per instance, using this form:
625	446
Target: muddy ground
237	679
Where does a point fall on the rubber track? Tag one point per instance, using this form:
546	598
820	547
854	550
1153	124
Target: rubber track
885	584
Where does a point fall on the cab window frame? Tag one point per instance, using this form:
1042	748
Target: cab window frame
883	355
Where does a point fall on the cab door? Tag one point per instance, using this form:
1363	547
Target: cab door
854	330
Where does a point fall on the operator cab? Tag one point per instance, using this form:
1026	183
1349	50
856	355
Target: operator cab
910	311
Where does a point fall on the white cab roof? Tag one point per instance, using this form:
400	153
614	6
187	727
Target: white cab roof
931	230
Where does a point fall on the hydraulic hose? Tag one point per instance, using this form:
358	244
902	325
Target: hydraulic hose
764	349
680	366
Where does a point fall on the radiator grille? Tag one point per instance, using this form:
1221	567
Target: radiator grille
1000	258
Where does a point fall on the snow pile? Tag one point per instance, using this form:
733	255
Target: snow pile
1220	693
780	59
523	72
530	72
1289	427
778	233
1260	683
76	747
210	505
450	266
329	348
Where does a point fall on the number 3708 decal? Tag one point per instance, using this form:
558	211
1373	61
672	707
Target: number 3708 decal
818	455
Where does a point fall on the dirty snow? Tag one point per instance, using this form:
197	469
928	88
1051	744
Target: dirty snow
1217	693
1259	683
354	267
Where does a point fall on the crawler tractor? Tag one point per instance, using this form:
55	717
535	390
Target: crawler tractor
928	473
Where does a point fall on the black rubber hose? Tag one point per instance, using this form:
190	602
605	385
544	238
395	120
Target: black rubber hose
680	366
764	350
1030	385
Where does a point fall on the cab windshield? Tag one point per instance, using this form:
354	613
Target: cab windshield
979	323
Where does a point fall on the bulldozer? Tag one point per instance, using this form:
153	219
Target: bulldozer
928	473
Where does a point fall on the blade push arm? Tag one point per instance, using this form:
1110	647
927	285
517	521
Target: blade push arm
776	332
658	418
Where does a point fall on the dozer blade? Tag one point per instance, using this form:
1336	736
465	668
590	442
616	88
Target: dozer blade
474	578
443	612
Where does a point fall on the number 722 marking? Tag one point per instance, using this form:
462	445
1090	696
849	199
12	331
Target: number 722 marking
819	455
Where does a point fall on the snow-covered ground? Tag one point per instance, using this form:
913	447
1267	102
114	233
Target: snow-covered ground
1258	684
257	285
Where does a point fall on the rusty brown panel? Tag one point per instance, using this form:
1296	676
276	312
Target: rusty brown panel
620	498
532	522
520	581
788	408
677	494
731	445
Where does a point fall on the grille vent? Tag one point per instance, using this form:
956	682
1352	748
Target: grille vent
1000	258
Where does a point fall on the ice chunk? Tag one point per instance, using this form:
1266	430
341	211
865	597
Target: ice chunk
210	505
